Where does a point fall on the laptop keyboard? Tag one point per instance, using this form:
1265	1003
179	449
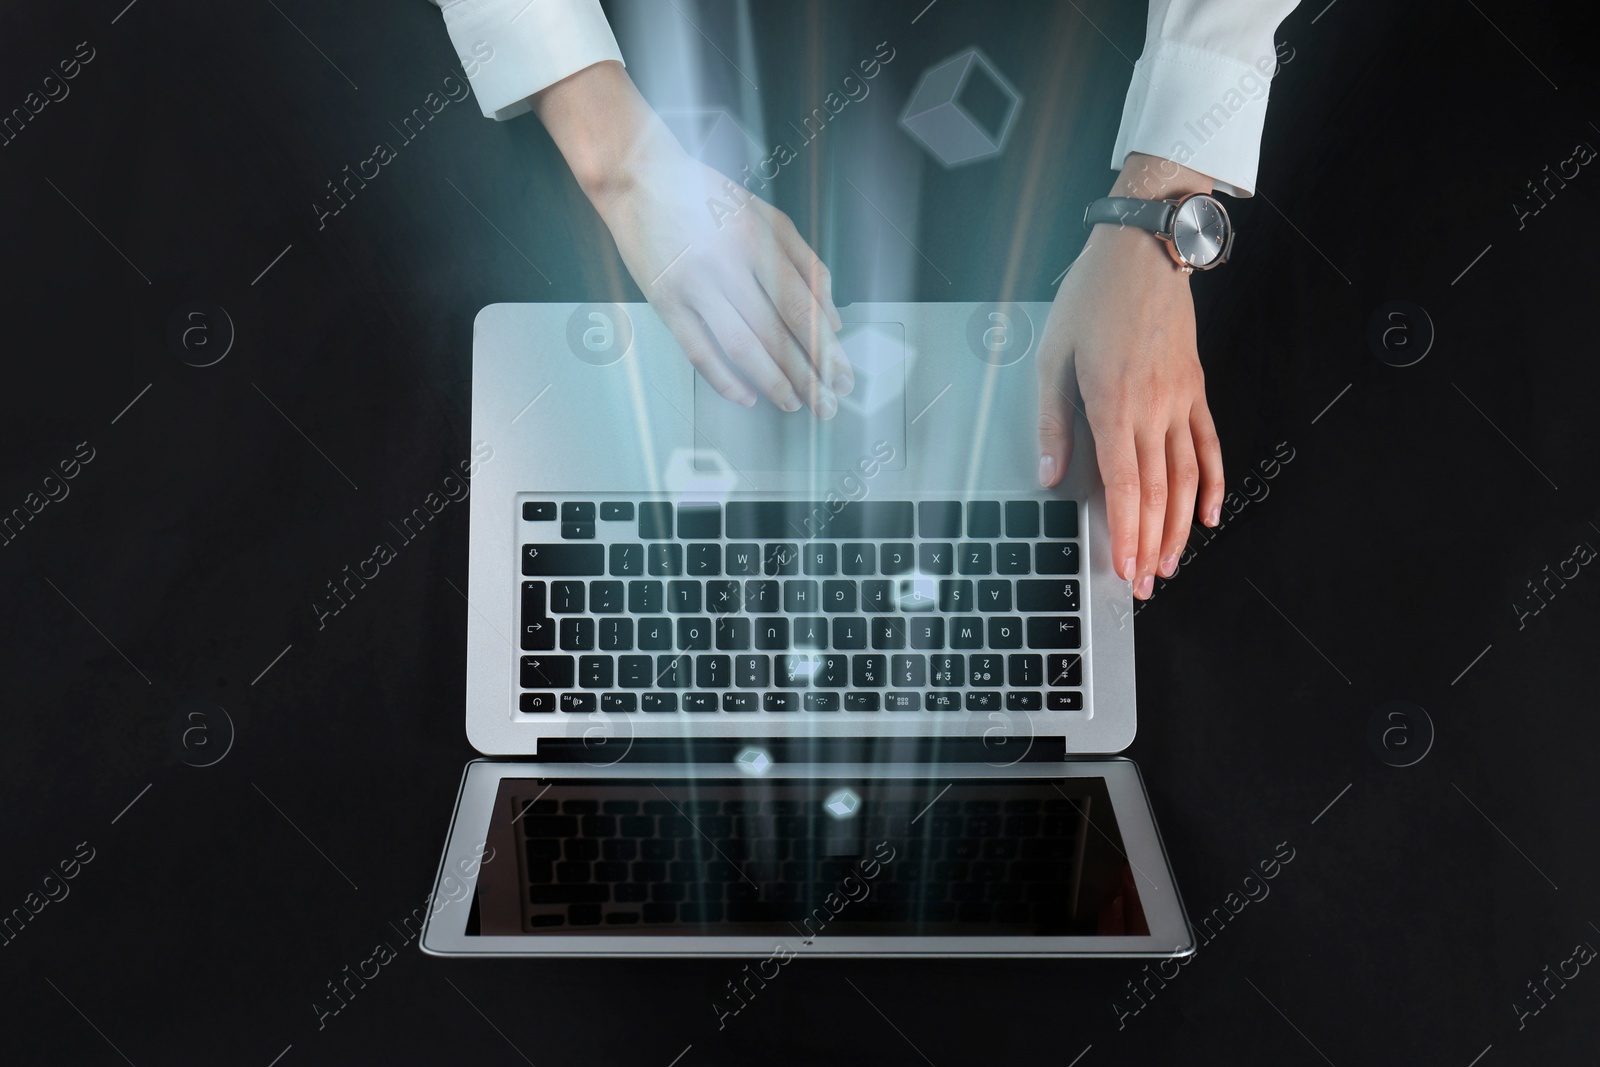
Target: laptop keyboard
785	606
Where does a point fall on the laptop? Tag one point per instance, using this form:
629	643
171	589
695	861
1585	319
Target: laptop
752	684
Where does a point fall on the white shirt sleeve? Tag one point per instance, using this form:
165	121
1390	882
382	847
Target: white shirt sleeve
511	49
1199	91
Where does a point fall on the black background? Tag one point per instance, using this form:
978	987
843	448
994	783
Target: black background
1384	563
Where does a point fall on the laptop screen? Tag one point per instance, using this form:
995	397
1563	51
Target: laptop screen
805	858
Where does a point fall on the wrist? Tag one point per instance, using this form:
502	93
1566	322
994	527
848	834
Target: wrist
1154	178
603	128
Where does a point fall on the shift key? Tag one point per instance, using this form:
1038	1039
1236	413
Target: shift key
568	559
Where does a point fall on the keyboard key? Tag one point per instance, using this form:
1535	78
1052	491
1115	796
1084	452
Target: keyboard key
538	635
700	702
1064	700
703	560
663	559
740	702
566	598
772	633
694	633
877	595
810	631
547	560
800	596
1011	558
577	511
1047	595
966	631
635	672
578	703
994	595
839	596
618	701
645	598
974	557
534	703
820	558
926	632
616	511
986	670
760	597
655	521
577	635
861	701
658	702
1026	669
936	557
850	633
752	672
821	701
909	670
780	701
732	635
917	594
1005	631
898	558
939	518
616	635
888	632
743	559
713	672
655	634
955	595
1064	671
699	522
548	672
538	511
983	518
946	670
983	700
577	531
781	559
1056	558
1051	631
944	701
1022	518
722	597
1021	701
627	560
683	597
902	702
859	558
1061	518
761	520
868	672
605	598
674	672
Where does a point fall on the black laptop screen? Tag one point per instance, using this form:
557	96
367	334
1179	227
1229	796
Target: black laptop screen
806	859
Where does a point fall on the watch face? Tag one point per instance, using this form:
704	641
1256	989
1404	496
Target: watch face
1200	231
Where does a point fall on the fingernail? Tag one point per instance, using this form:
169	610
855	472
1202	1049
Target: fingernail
1129	568
1047	470
747	400
827	406
1169	564
791	403
1146	587
843	383
1215	515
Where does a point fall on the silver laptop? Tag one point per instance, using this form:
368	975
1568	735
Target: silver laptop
750	682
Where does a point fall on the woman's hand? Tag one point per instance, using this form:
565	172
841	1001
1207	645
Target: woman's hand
1121	332
720	266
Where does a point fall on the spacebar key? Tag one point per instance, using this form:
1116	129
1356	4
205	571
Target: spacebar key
568	559
569	894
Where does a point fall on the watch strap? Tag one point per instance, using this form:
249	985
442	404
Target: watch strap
1152	215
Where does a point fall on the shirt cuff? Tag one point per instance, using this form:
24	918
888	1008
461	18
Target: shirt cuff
1200	109
511	49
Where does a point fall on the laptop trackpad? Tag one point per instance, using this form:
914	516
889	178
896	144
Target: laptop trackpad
764	438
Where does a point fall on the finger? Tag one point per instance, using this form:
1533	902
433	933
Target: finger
745	350
1114	450
1208	453
810	266
1183	478
759	314
1056	415
1152	455
807	321
697	344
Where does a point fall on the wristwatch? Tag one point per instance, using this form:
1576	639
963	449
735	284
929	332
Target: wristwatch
1195	228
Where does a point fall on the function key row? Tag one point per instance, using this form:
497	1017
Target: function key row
709	559
774	519
975	700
